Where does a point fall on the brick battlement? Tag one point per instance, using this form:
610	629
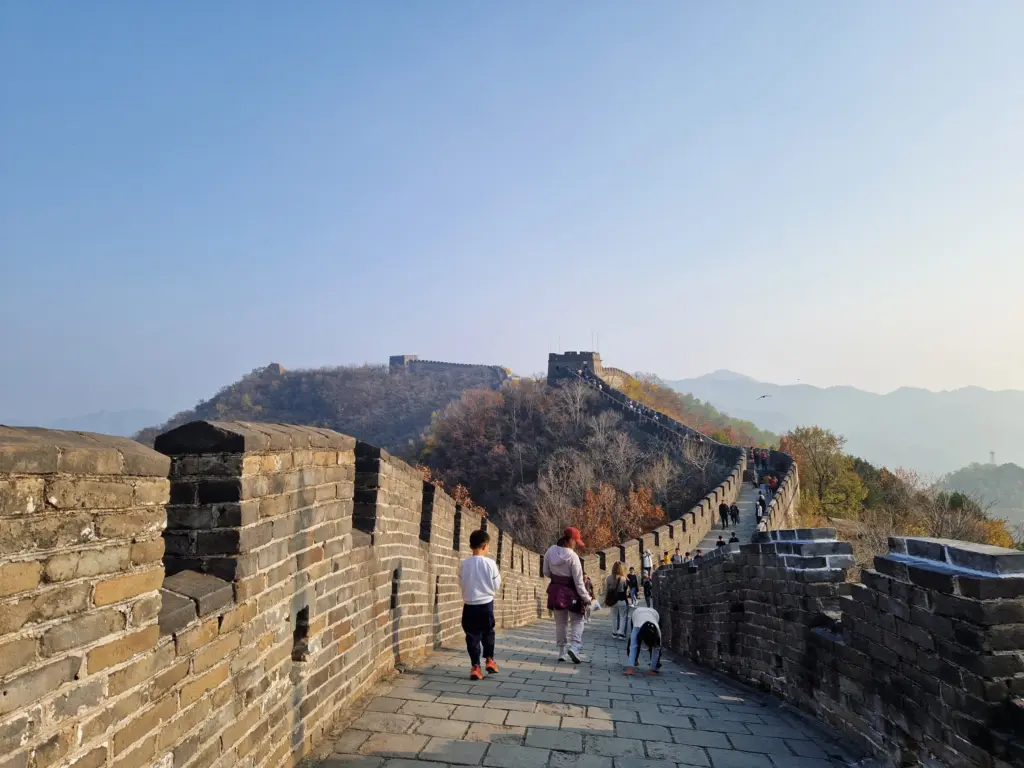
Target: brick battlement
922	660
412	364
223	601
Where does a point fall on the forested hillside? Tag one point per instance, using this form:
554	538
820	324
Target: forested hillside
387	410
1001	485
868	504
540	458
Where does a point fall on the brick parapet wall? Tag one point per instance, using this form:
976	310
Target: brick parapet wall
412	364
81	518
783	508
921	660
276	612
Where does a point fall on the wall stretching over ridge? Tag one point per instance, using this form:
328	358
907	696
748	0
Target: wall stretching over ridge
688	529
921	660
300	565
783	509
413	364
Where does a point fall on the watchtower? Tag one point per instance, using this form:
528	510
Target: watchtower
564	364
400	362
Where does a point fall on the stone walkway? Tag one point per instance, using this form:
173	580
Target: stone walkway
747	503
539	713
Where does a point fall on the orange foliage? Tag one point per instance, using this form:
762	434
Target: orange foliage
605	518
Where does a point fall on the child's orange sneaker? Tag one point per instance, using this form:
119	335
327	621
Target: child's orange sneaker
492	667
475	673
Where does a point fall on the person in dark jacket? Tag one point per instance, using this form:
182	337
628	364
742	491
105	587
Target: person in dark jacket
648	586
723	513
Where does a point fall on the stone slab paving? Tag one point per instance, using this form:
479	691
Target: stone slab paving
541	713
747	502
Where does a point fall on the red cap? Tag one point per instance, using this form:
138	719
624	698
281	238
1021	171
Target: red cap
574	534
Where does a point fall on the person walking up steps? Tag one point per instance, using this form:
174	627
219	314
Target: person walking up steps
567	594
480	581
648	586
634	585
723	513
734	513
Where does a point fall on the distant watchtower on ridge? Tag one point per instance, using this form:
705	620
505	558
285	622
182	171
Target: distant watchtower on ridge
400	362
564	364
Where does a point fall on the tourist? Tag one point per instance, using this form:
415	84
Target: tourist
480	581
677	558
634	585
646	631
665	559
647	561
686	557
761	503
567	594
616	596
720	543
734	514
734	539
723	513
648	590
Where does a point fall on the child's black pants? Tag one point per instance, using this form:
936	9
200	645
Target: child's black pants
478	624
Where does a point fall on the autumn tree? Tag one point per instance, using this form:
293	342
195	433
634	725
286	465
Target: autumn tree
540	458
829	486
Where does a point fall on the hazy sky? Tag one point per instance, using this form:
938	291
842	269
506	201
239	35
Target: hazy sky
826	191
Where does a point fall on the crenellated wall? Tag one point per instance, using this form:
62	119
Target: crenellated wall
783	509
923	660
688	528
413	364
300	566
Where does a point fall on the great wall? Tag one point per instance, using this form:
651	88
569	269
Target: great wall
227	599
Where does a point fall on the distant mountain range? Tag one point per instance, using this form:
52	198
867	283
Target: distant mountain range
931	432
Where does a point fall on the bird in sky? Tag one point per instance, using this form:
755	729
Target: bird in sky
762	397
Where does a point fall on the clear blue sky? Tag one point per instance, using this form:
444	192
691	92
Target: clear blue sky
825	191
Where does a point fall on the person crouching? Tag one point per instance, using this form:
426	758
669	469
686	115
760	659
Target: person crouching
646	632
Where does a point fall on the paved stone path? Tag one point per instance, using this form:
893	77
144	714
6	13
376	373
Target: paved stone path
540	713
747	503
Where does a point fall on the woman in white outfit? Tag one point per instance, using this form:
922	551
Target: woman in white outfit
567	594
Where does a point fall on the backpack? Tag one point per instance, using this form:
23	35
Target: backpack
611	597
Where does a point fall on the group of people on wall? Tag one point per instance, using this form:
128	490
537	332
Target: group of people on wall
570	593
571	598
